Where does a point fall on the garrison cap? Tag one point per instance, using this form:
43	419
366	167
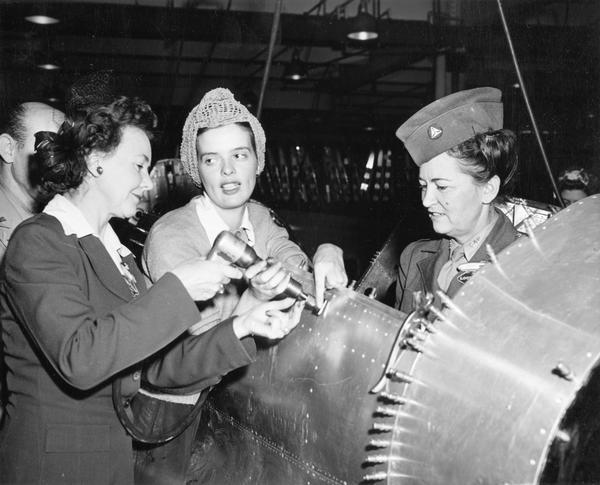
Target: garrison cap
449	121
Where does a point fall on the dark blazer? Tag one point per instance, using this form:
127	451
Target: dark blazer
421	262
70	328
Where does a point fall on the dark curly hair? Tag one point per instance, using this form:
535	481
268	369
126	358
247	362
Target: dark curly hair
576	178
493	152
63	156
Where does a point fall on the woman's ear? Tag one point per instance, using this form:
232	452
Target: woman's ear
94	165
491	189
7	148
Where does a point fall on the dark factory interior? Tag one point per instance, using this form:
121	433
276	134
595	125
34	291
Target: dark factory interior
350	96
494	383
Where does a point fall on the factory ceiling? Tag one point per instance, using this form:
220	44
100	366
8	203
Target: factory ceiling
171	52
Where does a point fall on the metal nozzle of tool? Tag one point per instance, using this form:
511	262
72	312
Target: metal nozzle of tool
233	249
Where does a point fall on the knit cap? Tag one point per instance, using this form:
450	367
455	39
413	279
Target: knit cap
217	108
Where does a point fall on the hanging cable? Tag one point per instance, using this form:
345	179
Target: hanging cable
528	105
265	78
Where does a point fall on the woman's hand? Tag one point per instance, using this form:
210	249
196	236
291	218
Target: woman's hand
268	320
203	279
267	279
329	270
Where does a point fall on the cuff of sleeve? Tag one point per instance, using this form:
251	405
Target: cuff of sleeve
170	301
208	319
246	346
234	353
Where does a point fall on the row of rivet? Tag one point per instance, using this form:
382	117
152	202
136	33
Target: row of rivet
385	411
415	338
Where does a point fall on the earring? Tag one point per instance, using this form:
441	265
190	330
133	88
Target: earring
99	170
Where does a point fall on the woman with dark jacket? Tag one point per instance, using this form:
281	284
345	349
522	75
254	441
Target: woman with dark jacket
78	321
465	160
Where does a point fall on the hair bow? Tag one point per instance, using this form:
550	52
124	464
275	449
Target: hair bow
575	175
44	140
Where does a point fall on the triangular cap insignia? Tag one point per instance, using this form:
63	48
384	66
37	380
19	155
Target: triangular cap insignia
434	132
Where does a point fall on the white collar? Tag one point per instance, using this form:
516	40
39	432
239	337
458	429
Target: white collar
73	221
214	224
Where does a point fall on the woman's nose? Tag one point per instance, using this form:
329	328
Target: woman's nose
228	166
427	196
147	182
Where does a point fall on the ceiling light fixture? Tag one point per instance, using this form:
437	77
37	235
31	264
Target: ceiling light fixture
41	14
296	69
363	27
51	92
48	60
42	19
48	65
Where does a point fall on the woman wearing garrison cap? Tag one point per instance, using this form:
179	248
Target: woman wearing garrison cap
223	151
465	160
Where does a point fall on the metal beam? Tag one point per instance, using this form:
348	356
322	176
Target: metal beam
164	23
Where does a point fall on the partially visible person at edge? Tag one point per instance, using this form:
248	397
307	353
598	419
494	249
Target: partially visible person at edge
465	160
79	325
575	184
223	151
18	175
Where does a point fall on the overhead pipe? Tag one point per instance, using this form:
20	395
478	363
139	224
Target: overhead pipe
274	29
265	79
207	58
275	56
318	6
528	105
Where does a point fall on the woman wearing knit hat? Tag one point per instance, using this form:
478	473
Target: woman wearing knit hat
223	151
465	160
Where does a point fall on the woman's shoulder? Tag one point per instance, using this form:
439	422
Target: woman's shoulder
41	223
37	236
256	209
422	245
176	220
420	249
260	214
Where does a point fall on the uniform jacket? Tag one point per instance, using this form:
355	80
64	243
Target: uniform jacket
12	213
421	262
70	327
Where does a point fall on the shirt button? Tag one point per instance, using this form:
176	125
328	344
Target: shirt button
136	375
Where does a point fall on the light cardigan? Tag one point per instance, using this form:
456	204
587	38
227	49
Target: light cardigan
214	224
180	235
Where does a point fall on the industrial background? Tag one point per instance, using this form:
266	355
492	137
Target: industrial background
330	104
